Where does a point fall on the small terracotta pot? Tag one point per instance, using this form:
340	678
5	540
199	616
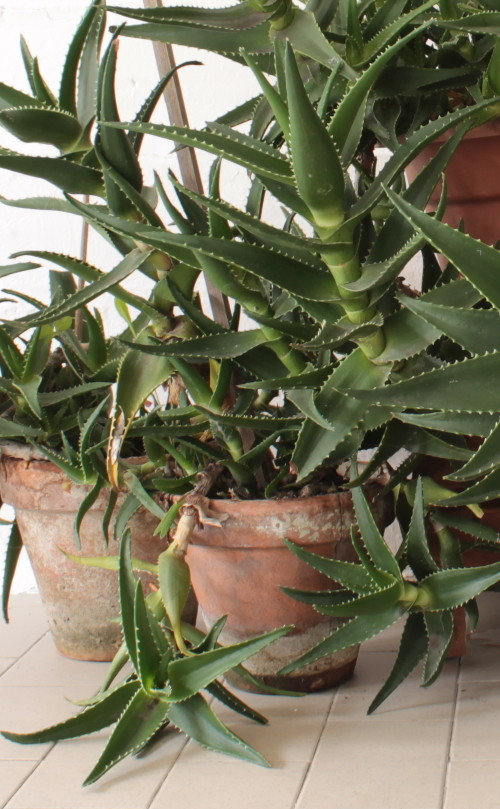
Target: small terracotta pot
473	190
238	569
82	603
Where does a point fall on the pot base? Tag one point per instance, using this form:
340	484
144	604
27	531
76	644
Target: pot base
309	683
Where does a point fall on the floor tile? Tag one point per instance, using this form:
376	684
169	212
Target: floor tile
482	661
56	783
473	784
26	625
410	701
476	733
44	665
377	765
31	708
227	784
12	775
386	641
6	662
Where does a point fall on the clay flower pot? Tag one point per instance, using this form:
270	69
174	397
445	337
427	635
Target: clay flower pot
82	603
473	190
237	570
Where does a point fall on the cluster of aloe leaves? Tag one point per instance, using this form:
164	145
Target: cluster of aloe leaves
162	685
374	594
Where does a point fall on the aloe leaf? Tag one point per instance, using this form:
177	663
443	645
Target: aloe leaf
339	411
10	429
372	538
138	376
486	489
241	149
233	702
139	721
197	720
484	22
85	439
350	575
348	634
411	650
318	172
472	527
486	458
36	125
98	716
69	78
10	97
416	545
58	396
460	423
90	273
64	174
115	145
306	37
475	260
347	122
84	507
473	382
383	37
127	598
188	675
477	330
306	380
439	628
148	654
452	588
131	194
366	604
14	547
219	346
241	15
10	355
175	582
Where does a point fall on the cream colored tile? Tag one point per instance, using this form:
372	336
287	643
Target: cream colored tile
44	665
377	765
12	775
226	784
482	661
476	727
473	784
56	783
409	702
26	625
6	662
27	709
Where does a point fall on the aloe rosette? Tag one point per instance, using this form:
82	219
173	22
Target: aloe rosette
375	594
165	686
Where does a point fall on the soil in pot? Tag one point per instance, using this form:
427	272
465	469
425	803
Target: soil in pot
237	570
82	603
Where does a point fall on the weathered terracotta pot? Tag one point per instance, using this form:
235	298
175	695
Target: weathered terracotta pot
237	570
473	190
82	603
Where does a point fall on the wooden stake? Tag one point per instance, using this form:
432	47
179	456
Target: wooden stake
188	164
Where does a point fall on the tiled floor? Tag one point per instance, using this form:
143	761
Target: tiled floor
436	748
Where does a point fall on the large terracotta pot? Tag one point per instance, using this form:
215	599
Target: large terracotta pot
473	187
82	603
237	570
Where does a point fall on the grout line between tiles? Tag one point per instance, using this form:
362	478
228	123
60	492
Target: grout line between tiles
17	659
320	736
451	737
169	771
27	776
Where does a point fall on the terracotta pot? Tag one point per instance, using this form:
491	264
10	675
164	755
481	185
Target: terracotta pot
237	570
82	603
472	181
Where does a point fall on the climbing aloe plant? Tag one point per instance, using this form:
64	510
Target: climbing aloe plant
336	290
